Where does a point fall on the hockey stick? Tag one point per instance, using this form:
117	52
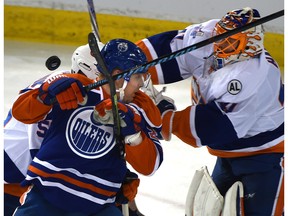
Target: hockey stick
92	40
97	55
93	20
187	49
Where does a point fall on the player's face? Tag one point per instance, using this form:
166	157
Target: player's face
134	84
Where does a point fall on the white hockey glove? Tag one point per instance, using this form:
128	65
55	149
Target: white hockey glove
165	105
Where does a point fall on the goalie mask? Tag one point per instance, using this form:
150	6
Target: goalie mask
83	61
241	46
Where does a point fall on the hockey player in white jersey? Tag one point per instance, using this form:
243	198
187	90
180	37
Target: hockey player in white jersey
237	106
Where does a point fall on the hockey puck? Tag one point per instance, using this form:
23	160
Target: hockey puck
53	62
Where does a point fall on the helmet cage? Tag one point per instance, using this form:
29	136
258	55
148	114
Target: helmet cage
242	45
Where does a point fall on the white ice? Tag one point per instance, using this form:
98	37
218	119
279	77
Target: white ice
164	193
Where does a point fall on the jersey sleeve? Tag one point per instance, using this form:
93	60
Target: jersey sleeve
28	109
157	46
146	157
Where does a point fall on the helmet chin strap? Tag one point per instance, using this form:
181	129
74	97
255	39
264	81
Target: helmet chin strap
121	90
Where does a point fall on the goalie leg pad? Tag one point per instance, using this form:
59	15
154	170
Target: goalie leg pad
203	197
234	199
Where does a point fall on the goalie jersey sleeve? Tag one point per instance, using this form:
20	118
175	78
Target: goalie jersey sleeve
237	110
79	163
183	66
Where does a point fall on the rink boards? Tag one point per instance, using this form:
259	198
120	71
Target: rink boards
72	27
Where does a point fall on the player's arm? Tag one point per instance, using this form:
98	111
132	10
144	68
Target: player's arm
199	125
157	46
139	131
32	106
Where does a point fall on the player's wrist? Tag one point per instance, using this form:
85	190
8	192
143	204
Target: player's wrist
133	139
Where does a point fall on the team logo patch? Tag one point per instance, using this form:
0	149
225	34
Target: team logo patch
234	87
197	31
122	47
86	138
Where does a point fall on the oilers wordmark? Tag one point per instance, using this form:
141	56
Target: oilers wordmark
89	137
85	137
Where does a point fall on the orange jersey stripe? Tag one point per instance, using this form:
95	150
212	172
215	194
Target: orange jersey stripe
151	70
71	181
14	189
280	201
181	126
229	154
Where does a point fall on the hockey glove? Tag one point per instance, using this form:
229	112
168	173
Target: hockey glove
128	189
67	91
165	105
131	120
166	108
149	89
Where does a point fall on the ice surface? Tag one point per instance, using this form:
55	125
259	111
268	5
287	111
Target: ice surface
164	193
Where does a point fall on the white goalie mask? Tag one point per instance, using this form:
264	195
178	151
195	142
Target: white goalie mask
241	46
83	61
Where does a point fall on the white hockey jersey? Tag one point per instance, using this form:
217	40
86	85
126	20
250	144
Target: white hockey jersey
237	110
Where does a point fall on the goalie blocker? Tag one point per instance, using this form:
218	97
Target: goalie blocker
203	197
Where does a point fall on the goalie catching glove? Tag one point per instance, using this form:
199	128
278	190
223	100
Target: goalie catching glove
69	92
131	120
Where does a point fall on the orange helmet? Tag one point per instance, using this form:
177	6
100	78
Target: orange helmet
242	45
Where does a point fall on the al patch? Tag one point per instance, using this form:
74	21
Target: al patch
234	87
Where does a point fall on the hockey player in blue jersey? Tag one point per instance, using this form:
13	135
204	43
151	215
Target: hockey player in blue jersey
22	141
78	159
237	106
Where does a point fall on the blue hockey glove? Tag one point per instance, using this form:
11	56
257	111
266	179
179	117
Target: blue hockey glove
69	92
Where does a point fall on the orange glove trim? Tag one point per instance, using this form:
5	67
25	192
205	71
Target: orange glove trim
130	189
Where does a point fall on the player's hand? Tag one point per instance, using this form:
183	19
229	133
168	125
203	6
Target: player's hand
69	92
130	120
128	189
165	105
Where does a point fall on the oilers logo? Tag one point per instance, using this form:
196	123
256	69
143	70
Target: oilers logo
85	137
122	47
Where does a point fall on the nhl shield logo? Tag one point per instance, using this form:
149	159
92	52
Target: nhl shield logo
234	87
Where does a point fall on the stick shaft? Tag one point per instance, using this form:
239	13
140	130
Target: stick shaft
92	40
93	20
187	49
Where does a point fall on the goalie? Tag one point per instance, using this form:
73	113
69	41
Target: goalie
237	106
